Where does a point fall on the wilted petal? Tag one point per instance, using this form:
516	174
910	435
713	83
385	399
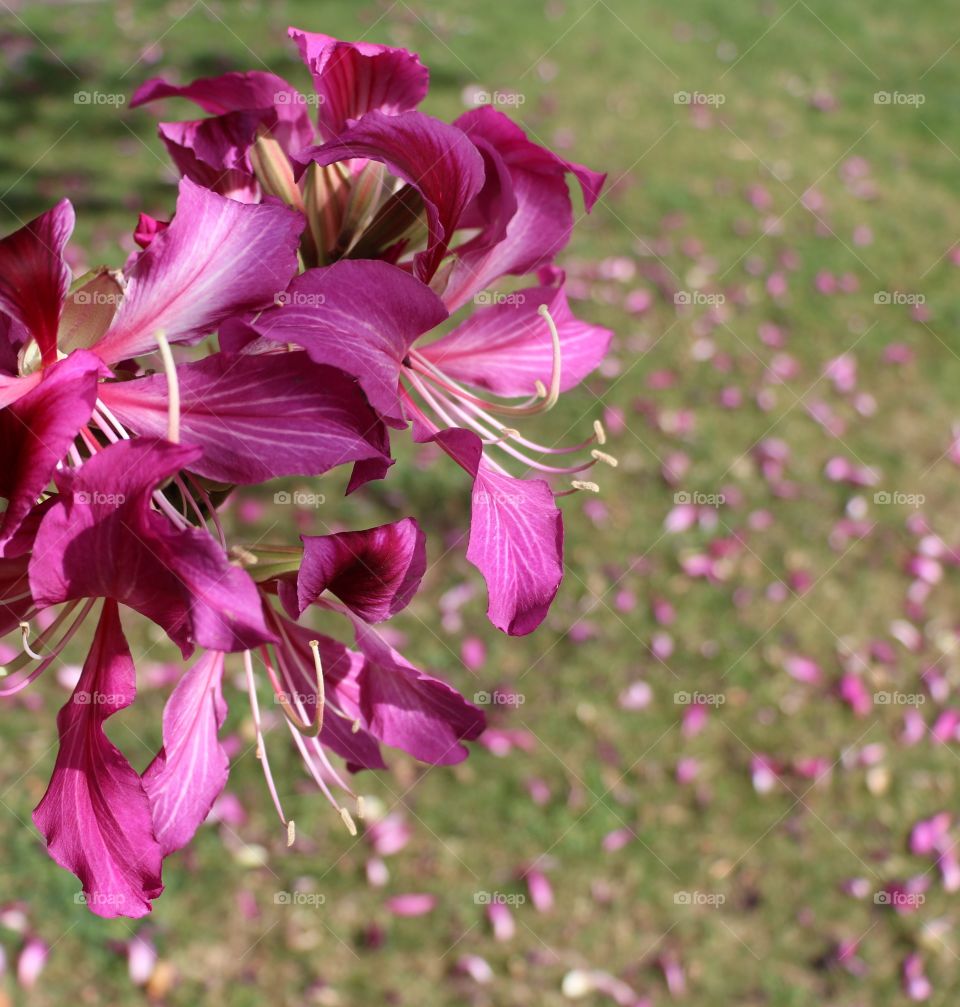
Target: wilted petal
374	573
95	815
291	416
191	769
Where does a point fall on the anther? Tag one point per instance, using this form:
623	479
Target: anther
579	484
600	432
602	456
348	821
291	832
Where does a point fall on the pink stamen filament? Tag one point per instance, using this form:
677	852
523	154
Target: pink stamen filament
261	744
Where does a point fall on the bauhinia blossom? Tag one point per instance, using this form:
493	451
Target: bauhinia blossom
283	322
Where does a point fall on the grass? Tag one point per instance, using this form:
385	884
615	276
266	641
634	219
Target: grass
602	77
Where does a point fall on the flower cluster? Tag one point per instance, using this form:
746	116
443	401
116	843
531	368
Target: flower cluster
283	322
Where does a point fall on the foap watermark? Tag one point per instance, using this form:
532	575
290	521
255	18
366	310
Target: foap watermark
899	698
508	98
82	698
699	499
885	498
498	698
98	499
898	297
99	898
499	899
699	98
311	899
298	498
296	98
699	698
298	299
95	297
899	98
692	297
488	297
899	899
685	898
98	98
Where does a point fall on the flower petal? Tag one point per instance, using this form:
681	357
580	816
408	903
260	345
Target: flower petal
95	815
354	78
191	769
293	417
216	259
359	316
506	346
374	573
543	222
37	430
516	537
102	539
34	279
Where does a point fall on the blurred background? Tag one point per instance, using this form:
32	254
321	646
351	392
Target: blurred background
712	775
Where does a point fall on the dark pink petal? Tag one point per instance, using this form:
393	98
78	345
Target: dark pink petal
34	279
435	158
102	539
148	228
213	153
359	316
408	709
374	573
507	348
241	92
543	221
353	78
191	769
291	416
95	815
37	430
217	258
516	537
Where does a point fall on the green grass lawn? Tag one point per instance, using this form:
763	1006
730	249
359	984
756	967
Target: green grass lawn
790	121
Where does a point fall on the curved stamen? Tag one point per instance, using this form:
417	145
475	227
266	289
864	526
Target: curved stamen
261	746
173	387
25	638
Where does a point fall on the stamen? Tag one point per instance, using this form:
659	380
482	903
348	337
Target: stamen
600	432
291	832
361	809
579	484
261	746
173	387
602	456
553	397
25	636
